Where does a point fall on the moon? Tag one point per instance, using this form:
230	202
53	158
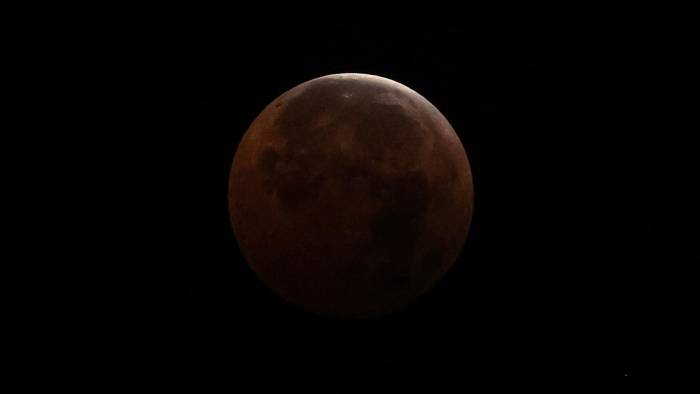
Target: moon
350	195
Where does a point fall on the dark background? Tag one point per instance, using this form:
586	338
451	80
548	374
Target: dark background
572	273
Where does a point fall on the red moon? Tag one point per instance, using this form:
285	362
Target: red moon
350	195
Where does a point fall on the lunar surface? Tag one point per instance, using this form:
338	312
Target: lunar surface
350	195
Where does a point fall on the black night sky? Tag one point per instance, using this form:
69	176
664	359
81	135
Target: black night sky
572	272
